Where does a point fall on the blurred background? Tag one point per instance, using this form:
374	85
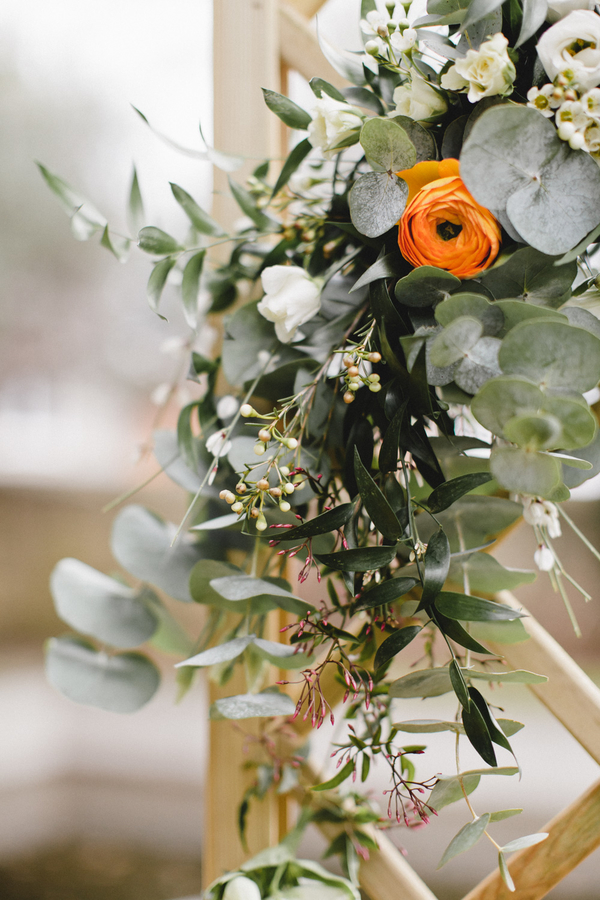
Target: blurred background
94	805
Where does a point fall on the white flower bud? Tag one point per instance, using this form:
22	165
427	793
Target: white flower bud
284	471
247	410
577	141
241	888
284	506
288	488
237	507
544	558
332	122
291	443
418	100
566	130
259	449
261	523
291	298
372	48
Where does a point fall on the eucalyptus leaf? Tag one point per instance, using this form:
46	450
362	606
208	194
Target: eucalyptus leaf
376	202
141	543
157	242
449	789
486	575
551	193
504	872
552	354
135	206
387	266
478	734
387	146
532	277
100	606
466	838
249	706
502	814
426	286
157	281
221	653
457	338
121	683
518	676
525	471
424	683
475	305
509	632
345	64
248	206
295	158
534	15
528	841
428	726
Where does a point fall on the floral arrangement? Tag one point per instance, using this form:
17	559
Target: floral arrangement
411	373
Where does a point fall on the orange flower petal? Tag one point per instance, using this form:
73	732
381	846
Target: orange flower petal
425	172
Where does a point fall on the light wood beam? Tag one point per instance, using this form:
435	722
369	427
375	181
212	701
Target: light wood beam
300	48
308	8
573	834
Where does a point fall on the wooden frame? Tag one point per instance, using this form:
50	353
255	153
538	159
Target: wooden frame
255	42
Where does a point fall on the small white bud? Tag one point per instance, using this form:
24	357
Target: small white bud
284	506
261	523
289	488
284	471
374	388
259	449
577	141
291	443
247	410
372	48
241	888
237	507
544	558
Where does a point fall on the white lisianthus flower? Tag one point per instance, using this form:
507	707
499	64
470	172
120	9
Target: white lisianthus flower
332	121
418	100
487	72
402	41
591	103
558	9
218	445
542	100
241	888
573	45
291	298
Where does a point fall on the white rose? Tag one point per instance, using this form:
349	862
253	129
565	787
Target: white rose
291	298
332	121
486	72
418	100
558	9
573	44
241	888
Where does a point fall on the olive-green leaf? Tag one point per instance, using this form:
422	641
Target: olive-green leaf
379	510
506	876
190	286
478	733
296	156
157	242
527	841
473	609
518	676
135	206
466	838
502	814
288	111
337	779
394	644
221	653
459	684
449	789
435	564
201	221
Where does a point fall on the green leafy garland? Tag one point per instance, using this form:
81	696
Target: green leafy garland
390	414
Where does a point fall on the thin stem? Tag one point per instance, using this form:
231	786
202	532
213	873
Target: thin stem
128	494
579	533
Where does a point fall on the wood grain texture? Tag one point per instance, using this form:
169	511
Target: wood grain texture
572	835
308	8
300	48
569	694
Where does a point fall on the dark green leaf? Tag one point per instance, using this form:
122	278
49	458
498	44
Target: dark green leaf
337	779
436	564
446	494
201	221
394	644
297	155
459	684
426	286
497	736
387	592
285	109
473	609
380	512
328	521
457	633
157	242
385	267
319	87
478	734
362	559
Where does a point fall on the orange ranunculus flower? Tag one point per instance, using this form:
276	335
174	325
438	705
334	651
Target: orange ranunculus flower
443	225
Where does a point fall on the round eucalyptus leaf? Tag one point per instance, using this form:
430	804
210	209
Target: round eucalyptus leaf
553	354
425	286
422	140
479	365
122	683
387	146
455	340
376	202
437	375
551	193
574	477
534	432
474	305
99	606
500	399
582	318
578	423
515	311
531	276
525	471
141	543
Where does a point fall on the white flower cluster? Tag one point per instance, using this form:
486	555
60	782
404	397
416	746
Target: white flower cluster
388	30
577	116
543	516
487	72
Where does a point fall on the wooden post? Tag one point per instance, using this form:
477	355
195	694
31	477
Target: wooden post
246	59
